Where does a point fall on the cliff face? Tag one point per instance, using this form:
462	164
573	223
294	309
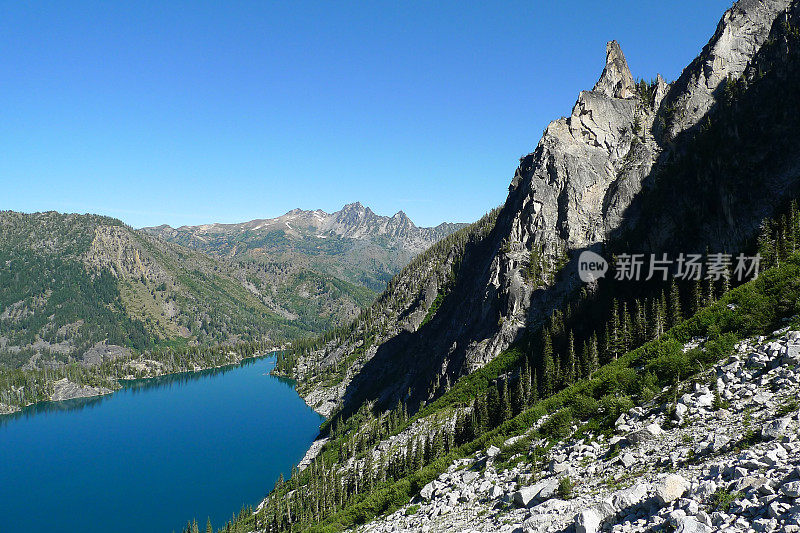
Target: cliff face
635	166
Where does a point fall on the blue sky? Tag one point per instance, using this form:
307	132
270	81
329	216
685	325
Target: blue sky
194	112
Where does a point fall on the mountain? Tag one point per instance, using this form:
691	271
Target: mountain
353	244
89	287
488	385
639	167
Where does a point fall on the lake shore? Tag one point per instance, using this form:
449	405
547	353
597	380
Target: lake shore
65	390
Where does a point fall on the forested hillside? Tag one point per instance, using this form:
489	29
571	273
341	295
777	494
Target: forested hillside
74	286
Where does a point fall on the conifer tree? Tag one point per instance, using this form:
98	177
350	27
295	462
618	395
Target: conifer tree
766	245
593	357
674	305
657	320
534	389
526	382
570	362
606	347
518	396
697	296
505	403
627	330
583	361
615	342
548	366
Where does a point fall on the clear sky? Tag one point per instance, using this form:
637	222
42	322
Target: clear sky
193	112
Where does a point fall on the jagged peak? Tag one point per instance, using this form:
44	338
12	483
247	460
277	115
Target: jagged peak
353	206
616	80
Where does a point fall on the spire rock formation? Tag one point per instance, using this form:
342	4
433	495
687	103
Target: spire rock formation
616	80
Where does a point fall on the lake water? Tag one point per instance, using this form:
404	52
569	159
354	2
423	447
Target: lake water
153	455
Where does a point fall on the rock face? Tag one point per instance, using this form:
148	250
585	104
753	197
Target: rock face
64	389
616	80
739	35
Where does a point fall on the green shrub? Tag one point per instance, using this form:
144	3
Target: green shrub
722	499
671	364
558	425
614	405
584	407
565	488
717	347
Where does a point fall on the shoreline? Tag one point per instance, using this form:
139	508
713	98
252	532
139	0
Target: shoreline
72	391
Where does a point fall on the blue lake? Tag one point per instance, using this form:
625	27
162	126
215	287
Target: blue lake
153	455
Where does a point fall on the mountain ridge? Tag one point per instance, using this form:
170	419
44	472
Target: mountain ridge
353	220
353	244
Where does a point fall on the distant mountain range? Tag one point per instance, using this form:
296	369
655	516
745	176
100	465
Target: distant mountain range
353	244
87	287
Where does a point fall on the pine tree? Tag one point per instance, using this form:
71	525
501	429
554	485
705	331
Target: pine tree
570	362
493	406
627	330
639	323
527	383
209	527
518	396
697	296
782	245
583	361
505	403
615	342
725	282
674	311
657	320
606	355
766	246
794	225
593	357
548	366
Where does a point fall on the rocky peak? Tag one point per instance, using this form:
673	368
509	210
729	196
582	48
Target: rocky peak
740	34
354	214
616	80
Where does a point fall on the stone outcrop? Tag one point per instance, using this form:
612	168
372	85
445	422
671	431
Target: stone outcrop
64	389
740	34
616	80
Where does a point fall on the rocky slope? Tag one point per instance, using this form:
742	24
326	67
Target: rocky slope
726	459
353	244
688	166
